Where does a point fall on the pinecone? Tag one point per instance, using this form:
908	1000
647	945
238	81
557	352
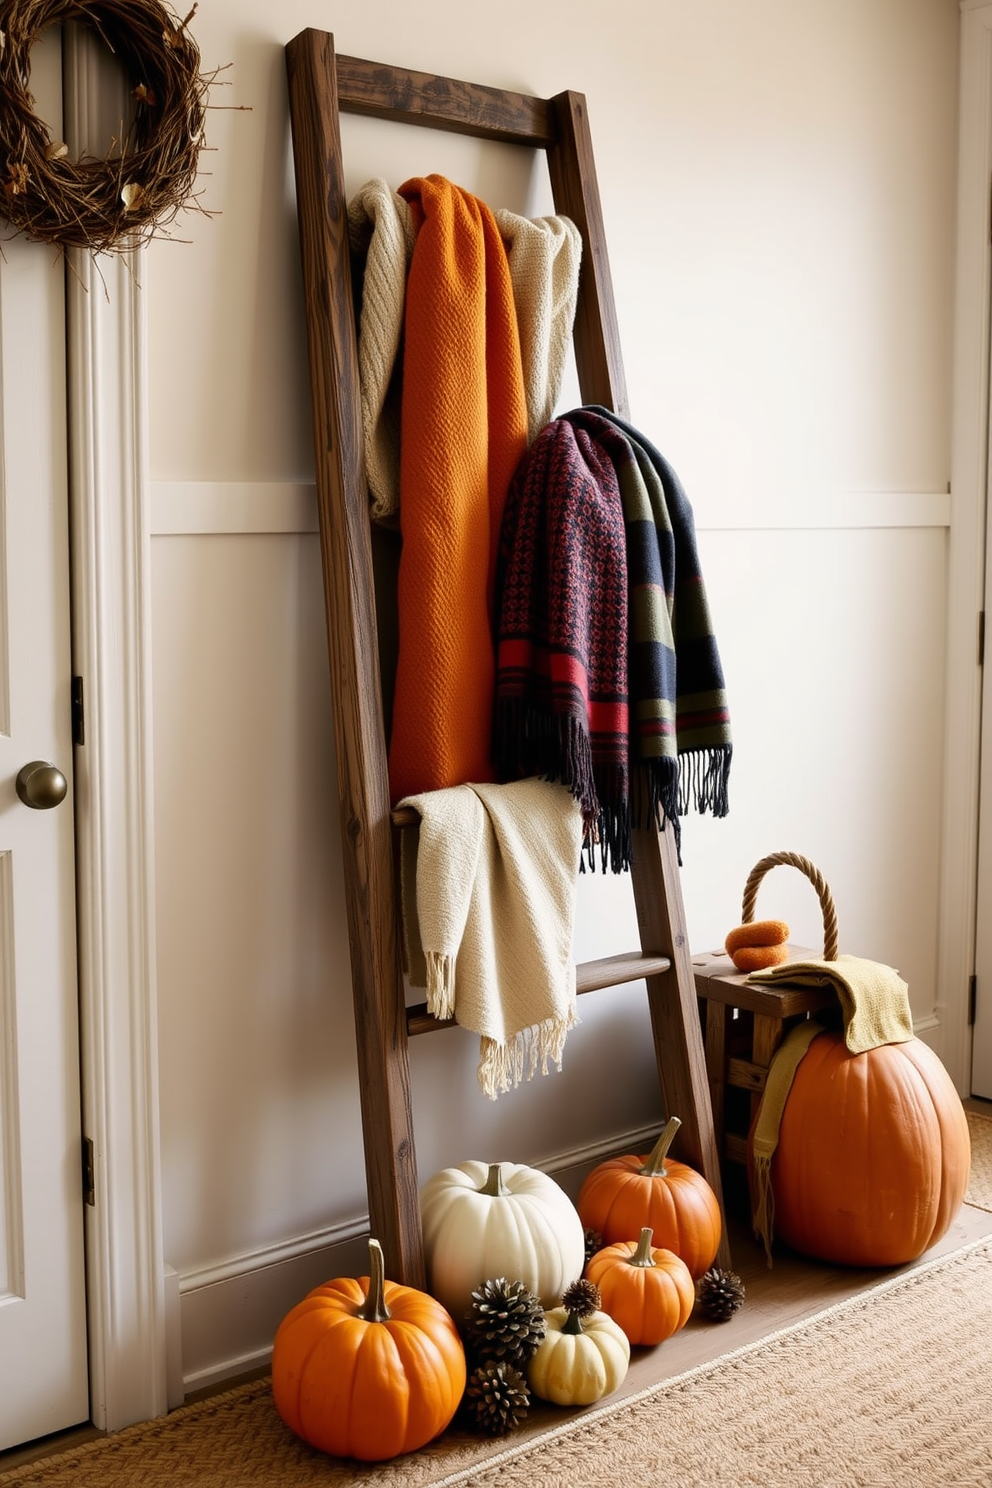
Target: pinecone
581	1298
496	1398
594	1242
504	1322
719	1293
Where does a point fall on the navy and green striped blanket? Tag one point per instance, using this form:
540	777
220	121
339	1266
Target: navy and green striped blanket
608	673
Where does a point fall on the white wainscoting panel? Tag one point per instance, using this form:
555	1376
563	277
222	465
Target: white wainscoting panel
202	507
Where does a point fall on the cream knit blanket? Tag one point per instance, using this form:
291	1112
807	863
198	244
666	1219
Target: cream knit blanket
488	887
543	255
380	226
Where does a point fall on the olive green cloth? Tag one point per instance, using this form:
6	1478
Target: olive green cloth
765	1138
874	999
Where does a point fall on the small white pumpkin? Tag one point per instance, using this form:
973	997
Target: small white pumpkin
483	1220
584	1354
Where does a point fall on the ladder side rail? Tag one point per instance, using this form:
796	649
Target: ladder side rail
674	1005
595	334
679	1049
366	832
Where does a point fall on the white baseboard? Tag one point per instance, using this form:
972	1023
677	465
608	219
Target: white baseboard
173	1339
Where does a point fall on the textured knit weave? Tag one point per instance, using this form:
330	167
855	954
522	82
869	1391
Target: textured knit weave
381	234
873	997
561	702
488	908
544	255
464	429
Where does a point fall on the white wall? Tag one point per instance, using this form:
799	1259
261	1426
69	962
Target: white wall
777	184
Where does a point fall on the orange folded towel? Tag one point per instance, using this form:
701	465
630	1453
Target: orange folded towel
758	944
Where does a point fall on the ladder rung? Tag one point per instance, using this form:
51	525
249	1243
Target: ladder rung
590	976
613	971
419	1020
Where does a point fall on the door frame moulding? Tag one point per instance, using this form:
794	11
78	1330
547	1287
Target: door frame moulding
967	538
111	619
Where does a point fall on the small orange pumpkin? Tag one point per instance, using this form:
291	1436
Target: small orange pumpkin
624	1194
649	1292
367	1368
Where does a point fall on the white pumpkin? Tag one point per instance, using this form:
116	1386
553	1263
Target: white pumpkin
486	1220
579	1360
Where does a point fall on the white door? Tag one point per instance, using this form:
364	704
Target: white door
981	1052
981	1049
43	1355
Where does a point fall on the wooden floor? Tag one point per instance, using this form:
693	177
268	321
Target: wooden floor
793	1290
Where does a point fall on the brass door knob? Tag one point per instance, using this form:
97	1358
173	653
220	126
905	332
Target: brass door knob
41	785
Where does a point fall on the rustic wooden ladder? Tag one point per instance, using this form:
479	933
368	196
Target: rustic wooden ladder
321	86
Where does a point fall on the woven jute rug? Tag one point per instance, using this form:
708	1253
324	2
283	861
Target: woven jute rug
891	1387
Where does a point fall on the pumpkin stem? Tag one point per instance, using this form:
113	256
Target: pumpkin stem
374	1309
494	1185
642	1255
572	1323
656	1162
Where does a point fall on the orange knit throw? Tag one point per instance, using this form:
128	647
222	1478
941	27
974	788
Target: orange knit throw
463	432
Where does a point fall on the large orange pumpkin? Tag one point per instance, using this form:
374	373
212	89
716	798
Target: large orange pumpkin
873	1155
624	1194
367	1368
646	1289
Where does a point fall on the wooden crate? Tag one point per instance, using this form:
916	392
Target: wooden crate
743	1024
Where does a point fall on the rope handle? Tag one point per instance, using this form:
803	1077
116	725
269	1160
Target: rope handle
793	860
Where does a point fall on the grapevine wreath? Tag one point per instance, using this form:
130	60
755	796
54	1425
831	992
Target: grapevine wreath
148	175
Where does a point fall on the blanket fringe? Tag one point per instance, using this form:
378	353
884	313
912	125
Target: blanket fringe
505	1065
704	776
440	984
530	740
615	799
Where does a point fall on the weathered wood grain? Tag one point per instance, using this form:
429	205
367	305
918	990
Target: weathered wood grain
342	501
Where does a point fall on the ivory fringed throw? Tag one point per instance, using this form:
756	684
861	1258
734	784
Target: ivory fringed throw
463	431
488	890
382	236
544	255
